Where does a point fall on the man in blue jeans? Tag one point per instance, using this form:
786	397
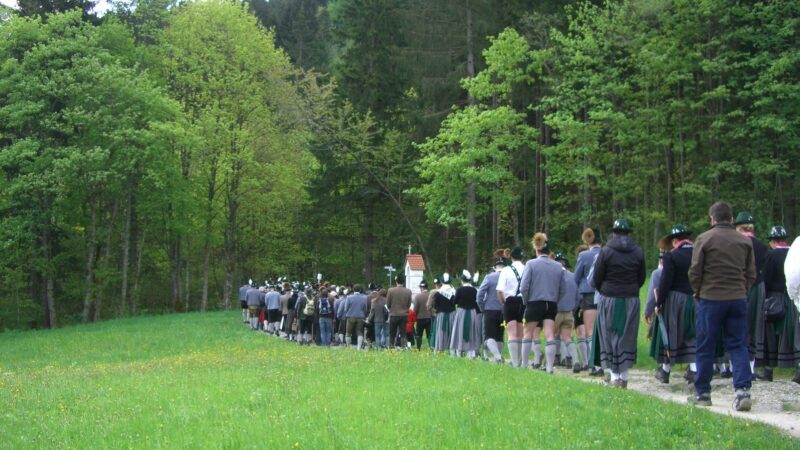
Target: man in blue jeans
722	270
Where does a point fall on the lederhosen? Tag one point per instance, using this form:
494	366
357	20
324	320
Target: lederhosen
513	309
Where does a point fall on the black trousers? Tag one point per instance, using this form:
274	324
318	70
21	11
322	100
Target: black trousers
397	325
423	325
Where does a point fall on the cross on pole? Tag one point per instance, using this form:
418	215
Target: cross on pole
390	270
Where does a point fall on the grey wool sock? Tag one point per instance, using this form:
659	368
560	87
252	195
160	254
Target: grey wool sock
583	348
537	352
573	353
526	351
513	349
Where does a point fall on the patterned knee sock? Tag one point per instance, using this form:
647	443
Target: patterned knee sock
526	352
550	353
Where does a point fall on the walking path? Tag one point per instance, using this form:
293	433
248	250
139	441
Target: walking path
776	403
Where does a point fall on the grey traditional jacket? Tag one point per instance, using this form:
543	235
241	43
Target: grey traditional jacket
542	280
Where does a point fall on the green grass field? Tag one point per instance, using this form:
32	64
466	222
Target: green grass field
205	381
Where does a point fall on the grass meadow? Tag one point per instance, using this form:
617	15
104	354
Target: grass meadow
205	381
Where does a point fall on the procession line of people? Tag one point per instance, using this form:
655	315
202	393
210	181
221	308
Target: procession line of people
720	304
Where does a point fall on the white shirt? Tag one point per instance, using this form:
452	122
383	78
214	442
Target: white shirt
791	269
507	283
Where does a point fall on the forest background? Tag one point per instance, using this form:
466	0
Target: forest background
153	158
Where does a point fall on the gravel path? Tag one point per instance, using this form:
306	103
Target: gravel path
776	403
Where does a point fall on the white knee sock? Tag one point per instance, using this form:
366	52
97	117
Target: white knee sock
513	349
563	351
537	351
693	367
525	352
359	342
550	354
666	367
491	345
624	375
752	366
614	376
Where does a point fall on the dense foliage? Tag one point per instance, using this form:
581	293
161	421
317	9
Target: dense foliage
152	158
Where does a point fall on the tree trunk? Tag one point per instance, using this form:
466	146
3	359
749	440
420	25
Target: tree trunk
232	225
126	251
176	273
49	304
471	197
106	260
471	226
369	244
91	248
668	156
206	262
135	291
211	193
186	280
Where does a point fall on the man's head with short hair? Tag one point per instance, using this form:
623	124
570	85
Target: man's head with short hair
358	289
720	212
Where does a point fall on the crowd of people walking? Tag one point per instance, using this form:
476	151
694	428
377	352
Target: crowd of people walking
724	304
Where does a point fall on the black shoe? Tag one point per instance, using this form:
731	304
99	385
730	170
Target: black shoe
662	375
569	362
726	373
576	368
765	374
796	378
690	376
596	373
703	399
536	366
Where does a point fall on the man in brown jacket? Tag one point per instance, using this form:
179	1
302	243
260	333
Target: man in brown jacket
722	270
398	300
